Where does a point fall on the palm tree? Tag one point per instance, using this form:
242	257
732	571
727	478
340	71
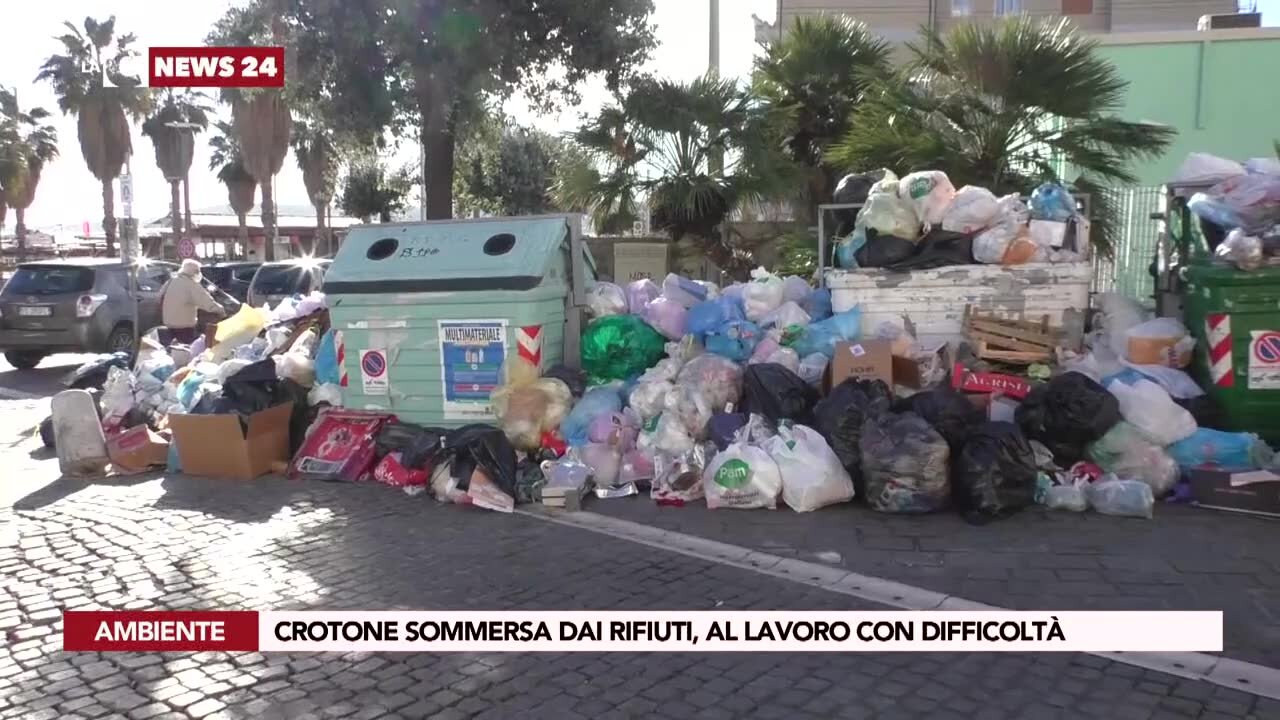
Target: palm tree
1005	106
262	124
26	145
318	160
809	84
655	146
232	173
102	112
175	146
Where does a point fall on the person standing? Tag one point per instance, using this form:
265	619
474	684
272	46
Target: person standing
182	299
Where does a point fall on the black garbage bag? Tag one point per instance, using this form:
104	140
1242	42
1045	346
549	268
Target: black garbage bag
93	373
852	189
46	433
575	379
883	250
723	427
1066	414
485	447
302	415
416	444
995	473
904	464
938	249
252	389
947	410
839	417
775	392
1204	409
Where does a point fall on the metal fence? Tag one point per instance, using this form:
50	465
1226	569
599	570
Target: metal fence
1129	272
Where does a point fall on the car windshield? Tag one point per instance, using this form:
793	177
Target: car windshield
277	279
49	281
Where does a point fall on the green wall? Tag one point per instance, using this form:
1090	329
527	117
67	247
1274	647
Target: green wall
1222	96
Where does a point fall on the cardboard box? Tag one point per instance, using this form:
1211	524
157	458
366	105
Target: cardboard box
873	360
1248	491
137	449
214	445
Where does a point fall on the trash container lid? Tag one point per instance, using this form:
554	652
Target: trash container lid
459	256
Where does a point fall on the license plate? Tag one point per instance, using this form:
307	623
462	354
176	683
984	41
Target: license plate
35	311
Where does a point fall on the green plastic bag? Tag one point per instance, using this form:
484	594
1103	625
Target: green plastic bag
620	347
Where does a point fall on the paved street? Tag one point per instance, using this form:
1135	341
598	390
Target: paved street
187	543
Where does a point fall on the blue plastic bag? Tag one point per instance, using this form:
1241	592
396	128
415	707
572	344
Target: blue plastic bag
1214	447
1051	201
822	337
1216	212
710	315
818	304
327	371
734	340
599	400
847	249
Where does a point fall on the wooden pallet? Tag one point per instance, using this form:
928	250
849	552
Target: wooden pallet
1015	341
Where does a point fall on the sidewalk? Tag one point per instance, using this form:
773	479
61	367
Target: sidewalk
1187	558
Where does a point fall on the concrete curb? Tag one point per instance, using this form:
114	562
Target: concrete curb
1235	674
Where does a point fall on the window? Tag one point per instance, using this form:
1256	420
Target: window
1077	7
1008	7
961	8
153	279
49	280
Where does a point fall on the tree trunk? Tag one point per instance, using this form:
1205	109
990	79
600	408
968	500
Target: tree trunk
175	203
320	243
109	216
20	232
242	232
436	111
268	221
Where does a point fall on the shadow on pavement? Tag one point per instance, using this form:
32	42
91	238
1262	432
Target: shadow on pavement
65	487
209	495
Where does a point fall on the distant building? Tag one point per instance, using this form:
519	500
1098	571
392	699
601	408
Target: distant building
215	231
900	20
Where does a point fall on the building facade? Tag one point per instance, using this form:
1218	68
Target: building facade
901	20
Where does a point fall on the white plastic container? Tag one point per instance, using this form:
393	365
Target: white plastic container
934	300
82	448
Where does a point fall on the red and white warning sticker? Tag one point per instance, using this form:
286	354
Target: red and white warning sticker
1264	360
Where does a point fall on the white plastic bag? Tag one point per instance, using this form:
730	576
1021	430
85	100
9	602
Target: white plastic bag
1203	168
762	295
605	299
795	289
812	476
1125	498
973	209
787	314
1127	453
742	477
813	367
929	192
1120	314
690	405
1066	497
991	245
1146	406
888	214
1241	250
786	357
1174	381
648	399
670	437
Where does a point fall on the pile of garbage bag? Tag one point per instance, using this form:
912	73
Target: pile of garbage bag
922	222
1240	211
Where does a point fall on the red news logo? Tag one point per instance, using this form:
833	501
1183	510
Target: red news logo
215	67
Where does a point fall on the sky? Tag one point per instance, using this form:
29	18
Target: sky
70	195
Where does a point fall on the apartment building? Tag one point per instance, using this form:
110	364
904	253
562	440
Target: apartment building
901	20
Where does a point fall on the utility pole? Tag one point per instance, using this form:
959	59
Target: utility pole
716	161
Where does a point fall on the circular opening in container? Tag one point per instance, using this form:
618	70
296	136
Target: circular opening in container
382	249
499	244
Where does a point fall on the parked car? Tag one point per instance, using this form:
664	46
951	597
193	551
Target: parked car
77	305
278	280
233	278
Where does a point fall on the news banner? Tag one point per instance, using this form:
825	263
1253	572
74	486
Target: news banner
653	631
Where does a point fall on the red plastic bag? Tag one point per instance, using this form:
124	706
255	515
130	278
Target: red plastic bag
340	446
391	472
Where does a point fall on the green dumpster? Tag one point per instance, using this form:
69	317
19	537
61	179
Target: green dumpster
429	313
1235	317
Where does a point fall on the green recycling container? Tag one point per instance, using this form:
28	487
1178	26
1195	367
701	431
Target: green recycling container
1235	317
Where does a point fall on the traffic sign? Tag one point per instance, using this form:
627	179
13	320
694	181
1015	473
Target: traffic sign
186	248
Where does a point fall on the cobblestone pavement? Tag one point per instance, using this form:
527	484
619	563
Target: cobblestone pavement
1187	558
188	543
43	380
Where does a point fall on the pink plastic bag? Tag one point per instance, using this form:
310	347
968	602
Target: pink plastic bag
616	429
666	316
641	293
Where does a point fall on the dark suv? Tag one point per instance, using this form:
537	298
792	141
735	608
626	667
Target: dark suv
79	305
232	278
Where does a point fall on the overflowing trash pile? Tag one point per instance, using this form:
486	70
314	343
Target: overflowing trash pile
1240	211
921	221
259	359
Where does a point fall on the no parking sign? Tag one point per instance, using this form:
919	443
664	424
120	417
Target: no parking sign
373	372
1264	360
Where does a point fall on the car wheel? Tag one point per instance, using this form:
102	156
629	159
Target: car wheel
121	339
24	359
